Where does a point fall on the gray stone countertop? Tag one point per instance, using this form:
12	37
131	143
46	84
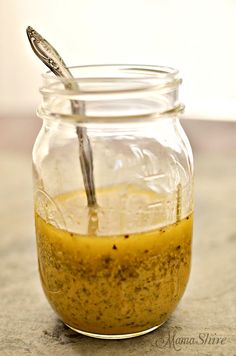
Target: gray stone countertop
206	313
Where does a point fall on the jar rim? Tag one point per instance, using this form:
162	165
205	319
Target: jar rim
109	92
116	78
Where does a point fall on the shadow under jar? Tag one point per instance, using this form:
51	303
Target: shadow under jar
125	277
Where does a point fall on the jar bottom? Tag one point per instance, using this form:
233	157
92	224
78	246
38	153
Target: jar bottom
115	336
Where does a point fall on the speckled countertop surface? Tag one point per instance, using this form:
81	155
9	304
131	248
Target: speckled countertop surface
207	310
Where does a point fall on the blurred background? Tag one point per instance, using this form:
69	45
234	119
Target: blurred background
197	37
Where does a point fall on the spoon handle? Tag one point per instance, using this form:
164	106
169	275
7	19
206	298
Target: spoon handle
50	57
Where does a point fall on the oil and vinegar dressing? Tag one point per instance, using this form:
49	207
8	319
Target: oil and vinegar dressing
127	278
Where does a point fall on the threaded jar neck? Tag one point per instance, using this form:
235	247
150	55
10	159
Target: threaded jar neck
111	92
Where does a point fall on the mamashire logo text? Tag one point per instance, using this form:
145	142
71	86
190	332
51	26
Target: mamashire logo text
175	339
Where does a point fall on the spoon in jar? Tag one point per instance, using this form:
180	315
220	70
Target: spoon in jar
50	57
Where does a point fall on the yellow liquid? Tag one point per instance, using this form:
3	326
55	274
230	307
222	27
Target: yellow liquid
118	284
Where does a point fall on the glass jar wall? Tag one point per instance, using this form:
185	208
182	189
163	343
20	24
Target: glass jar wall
117	269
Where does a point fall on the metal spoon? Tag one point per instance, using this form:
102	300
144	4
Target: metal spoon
49	56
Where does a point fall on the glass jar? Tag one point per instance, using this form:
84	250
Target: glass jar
125	276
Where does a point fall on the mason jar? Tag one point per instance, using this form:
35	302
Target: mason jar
115	268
